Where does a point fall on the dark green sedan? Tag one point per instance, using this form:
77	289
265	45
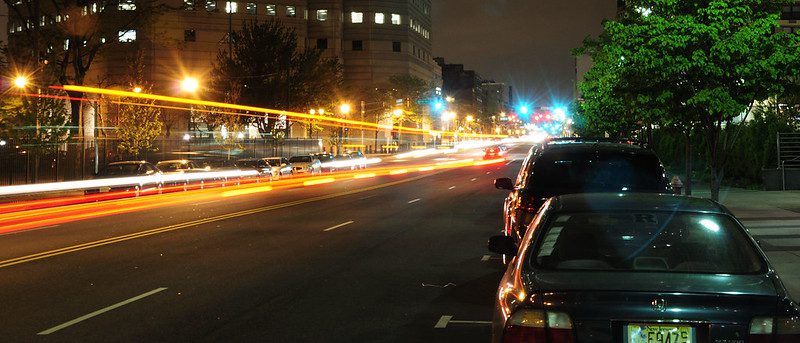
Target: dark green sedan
639	268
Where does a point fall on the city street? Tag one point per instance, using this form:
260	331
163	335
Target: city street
375	259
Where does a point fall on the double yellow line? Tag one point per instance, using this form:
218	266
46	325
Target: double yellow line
140	234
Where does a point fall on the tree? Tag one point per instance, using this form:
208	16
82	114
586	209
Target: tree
699	65
139	120
66	38
267	65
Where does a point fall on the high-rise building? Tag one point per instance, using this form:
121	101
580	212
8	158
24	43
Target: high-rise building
790	17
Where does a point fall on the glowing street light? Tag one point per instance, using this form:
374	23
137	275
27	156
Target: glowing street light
3	142
470	118
190	84
187	137
321	111
345	108
450	99
312	111
21	81
524	109
137	89
397	112
448	116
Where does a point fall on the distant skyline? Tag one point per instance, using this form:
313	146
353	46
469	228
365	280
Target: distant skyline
525	44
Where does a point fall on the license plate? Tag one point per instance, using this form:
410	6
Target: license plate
658	333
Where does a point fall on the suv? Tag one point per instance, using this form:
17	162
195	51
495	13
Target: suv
574	165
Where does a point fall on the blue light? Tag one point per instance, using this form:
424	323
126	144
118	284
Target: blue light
523	109
438	105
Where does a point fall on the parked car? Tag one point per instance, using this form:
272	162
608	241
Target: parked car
359	160
574	165
639	268
179	166
260	165
327	163
128	169
343	162
280	167
305	164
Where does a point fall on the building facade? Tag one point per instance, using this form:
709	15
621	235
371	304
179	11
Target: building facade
373	39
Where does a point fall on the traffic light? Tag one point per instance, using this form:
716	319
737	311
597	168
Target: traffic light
524	109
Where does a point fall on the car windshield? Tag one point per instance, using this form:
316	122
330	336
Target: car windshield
299	159
566	172
646	241
172	166
249	163
121	170
275	162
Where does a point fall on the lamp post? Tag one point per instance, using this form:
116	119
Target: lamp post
344	109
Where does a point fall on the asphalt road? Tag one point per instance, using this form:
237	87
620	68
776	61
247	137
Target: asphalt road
379	259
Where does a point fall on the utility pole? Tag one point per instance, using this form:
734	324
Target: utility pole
363	112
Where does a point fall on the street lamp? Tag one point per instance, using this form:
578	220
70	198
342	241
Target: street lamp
397	112
21	81
190	84
137	89
345	108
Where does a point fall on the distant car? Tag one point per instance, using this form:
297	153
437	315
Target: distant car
305	164
639	268
577	165
260	165
178	166
149	177
494	152
327	163
359	160
280	167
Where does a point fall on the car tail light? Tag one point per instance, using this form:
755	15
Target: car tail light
537	326
780	330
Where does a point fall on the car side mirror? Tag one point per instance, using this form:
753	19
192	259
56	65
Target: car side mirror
502	245
504	183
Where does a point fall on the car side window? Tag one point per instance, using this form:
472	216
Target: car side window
284	161
527	166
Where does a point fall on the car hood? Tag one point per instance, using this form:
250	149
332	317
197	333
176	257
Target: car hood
544	281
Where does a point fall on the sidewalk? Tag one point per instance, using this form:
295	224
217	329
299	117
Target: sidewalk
757	205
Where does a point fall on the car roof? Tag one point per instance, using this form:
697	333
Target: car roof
587	202
596	147
126	162
174	161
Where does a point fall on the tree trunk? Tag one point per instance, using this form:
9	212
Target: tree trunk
75	111
36	167
713	162
687	183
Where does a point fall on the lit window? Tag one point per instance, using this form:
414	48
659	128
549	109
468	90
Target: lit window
127	36
94	7
396	19
291	11
305	14
211	5
58	18
188	5
85	10
231	7
250	8
322	15
42	21
356	17
66	17
380	18
11	29
127	5
272	10
102	39
66	44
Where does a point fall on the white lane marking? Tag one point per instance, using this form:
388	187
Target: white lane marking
444	320
367	197
413	201
442	323
485	258
207	202
100	311
338	226
487	173
512	161
473	179
452	187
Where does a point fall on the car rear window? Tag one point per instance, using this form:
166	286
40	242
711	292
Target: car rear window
562	172
297	159
647	241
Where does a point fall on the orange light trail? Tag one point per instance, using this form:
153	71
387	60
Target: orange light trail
29	216
179	100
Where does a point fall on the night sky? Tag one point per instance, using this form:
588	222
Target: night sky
524	43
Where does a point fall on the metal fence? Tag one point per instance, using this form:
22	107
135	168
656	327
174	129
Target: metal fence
76	160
